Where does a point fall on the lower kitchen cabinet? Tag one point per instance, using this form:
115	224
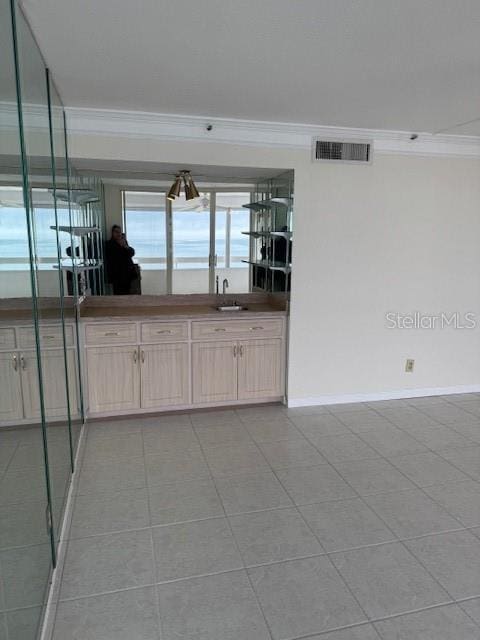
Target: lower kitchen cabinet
19	396
145	377
113	378
53	380
245	370
11	404
168	364
215	373
164	375
260	369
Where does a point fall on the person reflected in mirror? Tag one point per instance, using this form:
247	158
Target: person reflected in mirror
119	263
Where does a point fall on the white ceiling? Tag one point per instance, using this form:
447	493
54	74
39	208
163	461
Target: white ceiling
385	64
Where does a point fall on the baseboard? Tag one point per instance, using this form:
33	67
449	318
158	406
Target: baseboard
184	408
56	577
382	395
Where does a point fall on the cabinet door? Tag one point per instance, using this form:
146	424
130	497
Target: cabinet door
164	375
11	407
54	387
113	378
260	369
214	367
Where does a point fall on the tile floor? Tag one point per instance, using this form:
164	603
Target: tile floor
352	522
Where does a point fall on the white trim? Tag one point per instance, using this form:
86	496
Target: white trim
257	133
382	395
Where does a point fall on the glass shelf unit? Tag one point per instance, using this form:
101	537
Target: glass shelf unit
270	233
77	231
79	265
78	196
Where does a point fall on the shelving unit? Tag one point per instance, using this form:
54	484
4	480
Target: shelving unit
271	234
68	264
84	264
78	231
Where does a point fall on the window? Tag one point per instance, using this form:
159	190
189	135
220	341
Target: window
231	221
144	223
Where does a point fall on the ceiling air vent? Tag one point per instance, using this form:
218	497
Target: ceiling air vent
353	152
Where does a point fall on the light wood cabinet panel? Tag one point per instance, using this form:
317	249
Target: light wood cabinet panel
7	338
11	406
214	371
54	383
164	375
260	369
163	331
113	378
237	329
113	333
50	336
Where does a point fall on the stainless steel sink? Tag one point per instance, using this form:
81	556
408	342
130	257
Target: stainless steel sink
231	307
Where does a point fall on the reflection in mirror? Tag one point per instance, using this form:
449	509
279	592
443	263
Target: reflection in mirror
25	544
53	338
184	246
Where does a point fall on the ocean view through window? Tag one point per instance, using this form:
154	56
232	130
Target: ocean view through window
201	236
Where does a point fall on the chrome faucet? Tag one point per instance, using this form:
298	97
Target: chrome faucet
225	286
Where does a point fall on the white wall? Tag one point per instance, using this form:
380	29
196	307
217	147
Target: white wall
399	235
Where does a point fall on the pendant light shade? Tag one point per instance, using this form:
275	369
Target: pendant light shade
191	191
175	188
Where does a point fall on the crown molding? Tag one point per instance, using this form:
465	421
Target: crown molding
257	133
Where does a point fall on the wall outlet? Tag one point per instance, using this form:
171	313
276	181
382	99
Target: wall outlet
409	365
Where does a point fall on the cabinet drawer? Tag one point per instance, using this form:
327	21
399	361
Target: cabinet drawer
7	338
50	336
255	327
163	331
120	333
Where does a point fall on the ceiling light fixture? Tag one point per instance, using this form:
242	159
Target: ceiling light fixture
175	188
191	191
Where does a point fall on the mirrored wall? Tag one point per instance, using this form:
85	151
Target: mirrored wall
40	271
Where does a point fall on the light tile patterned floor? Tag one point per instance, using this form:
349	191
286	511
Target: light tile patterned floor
348	522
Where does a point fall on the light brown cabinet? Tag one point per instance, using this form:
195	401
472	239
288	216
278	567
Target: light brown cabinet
133	377
185	363
11	404
113	378
215	373
244	370
260	369
53	380
19	395
164	375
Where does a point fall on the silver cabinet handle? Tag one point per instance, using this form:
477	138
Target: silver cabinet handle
15	363
255	328
165	331
143	355
112	333
241	350
235	351
49	337
135	356
220	329
22	362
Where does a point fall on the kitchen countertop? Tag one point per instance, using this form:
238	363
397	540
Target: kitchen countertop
172	307
25	315
172	312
